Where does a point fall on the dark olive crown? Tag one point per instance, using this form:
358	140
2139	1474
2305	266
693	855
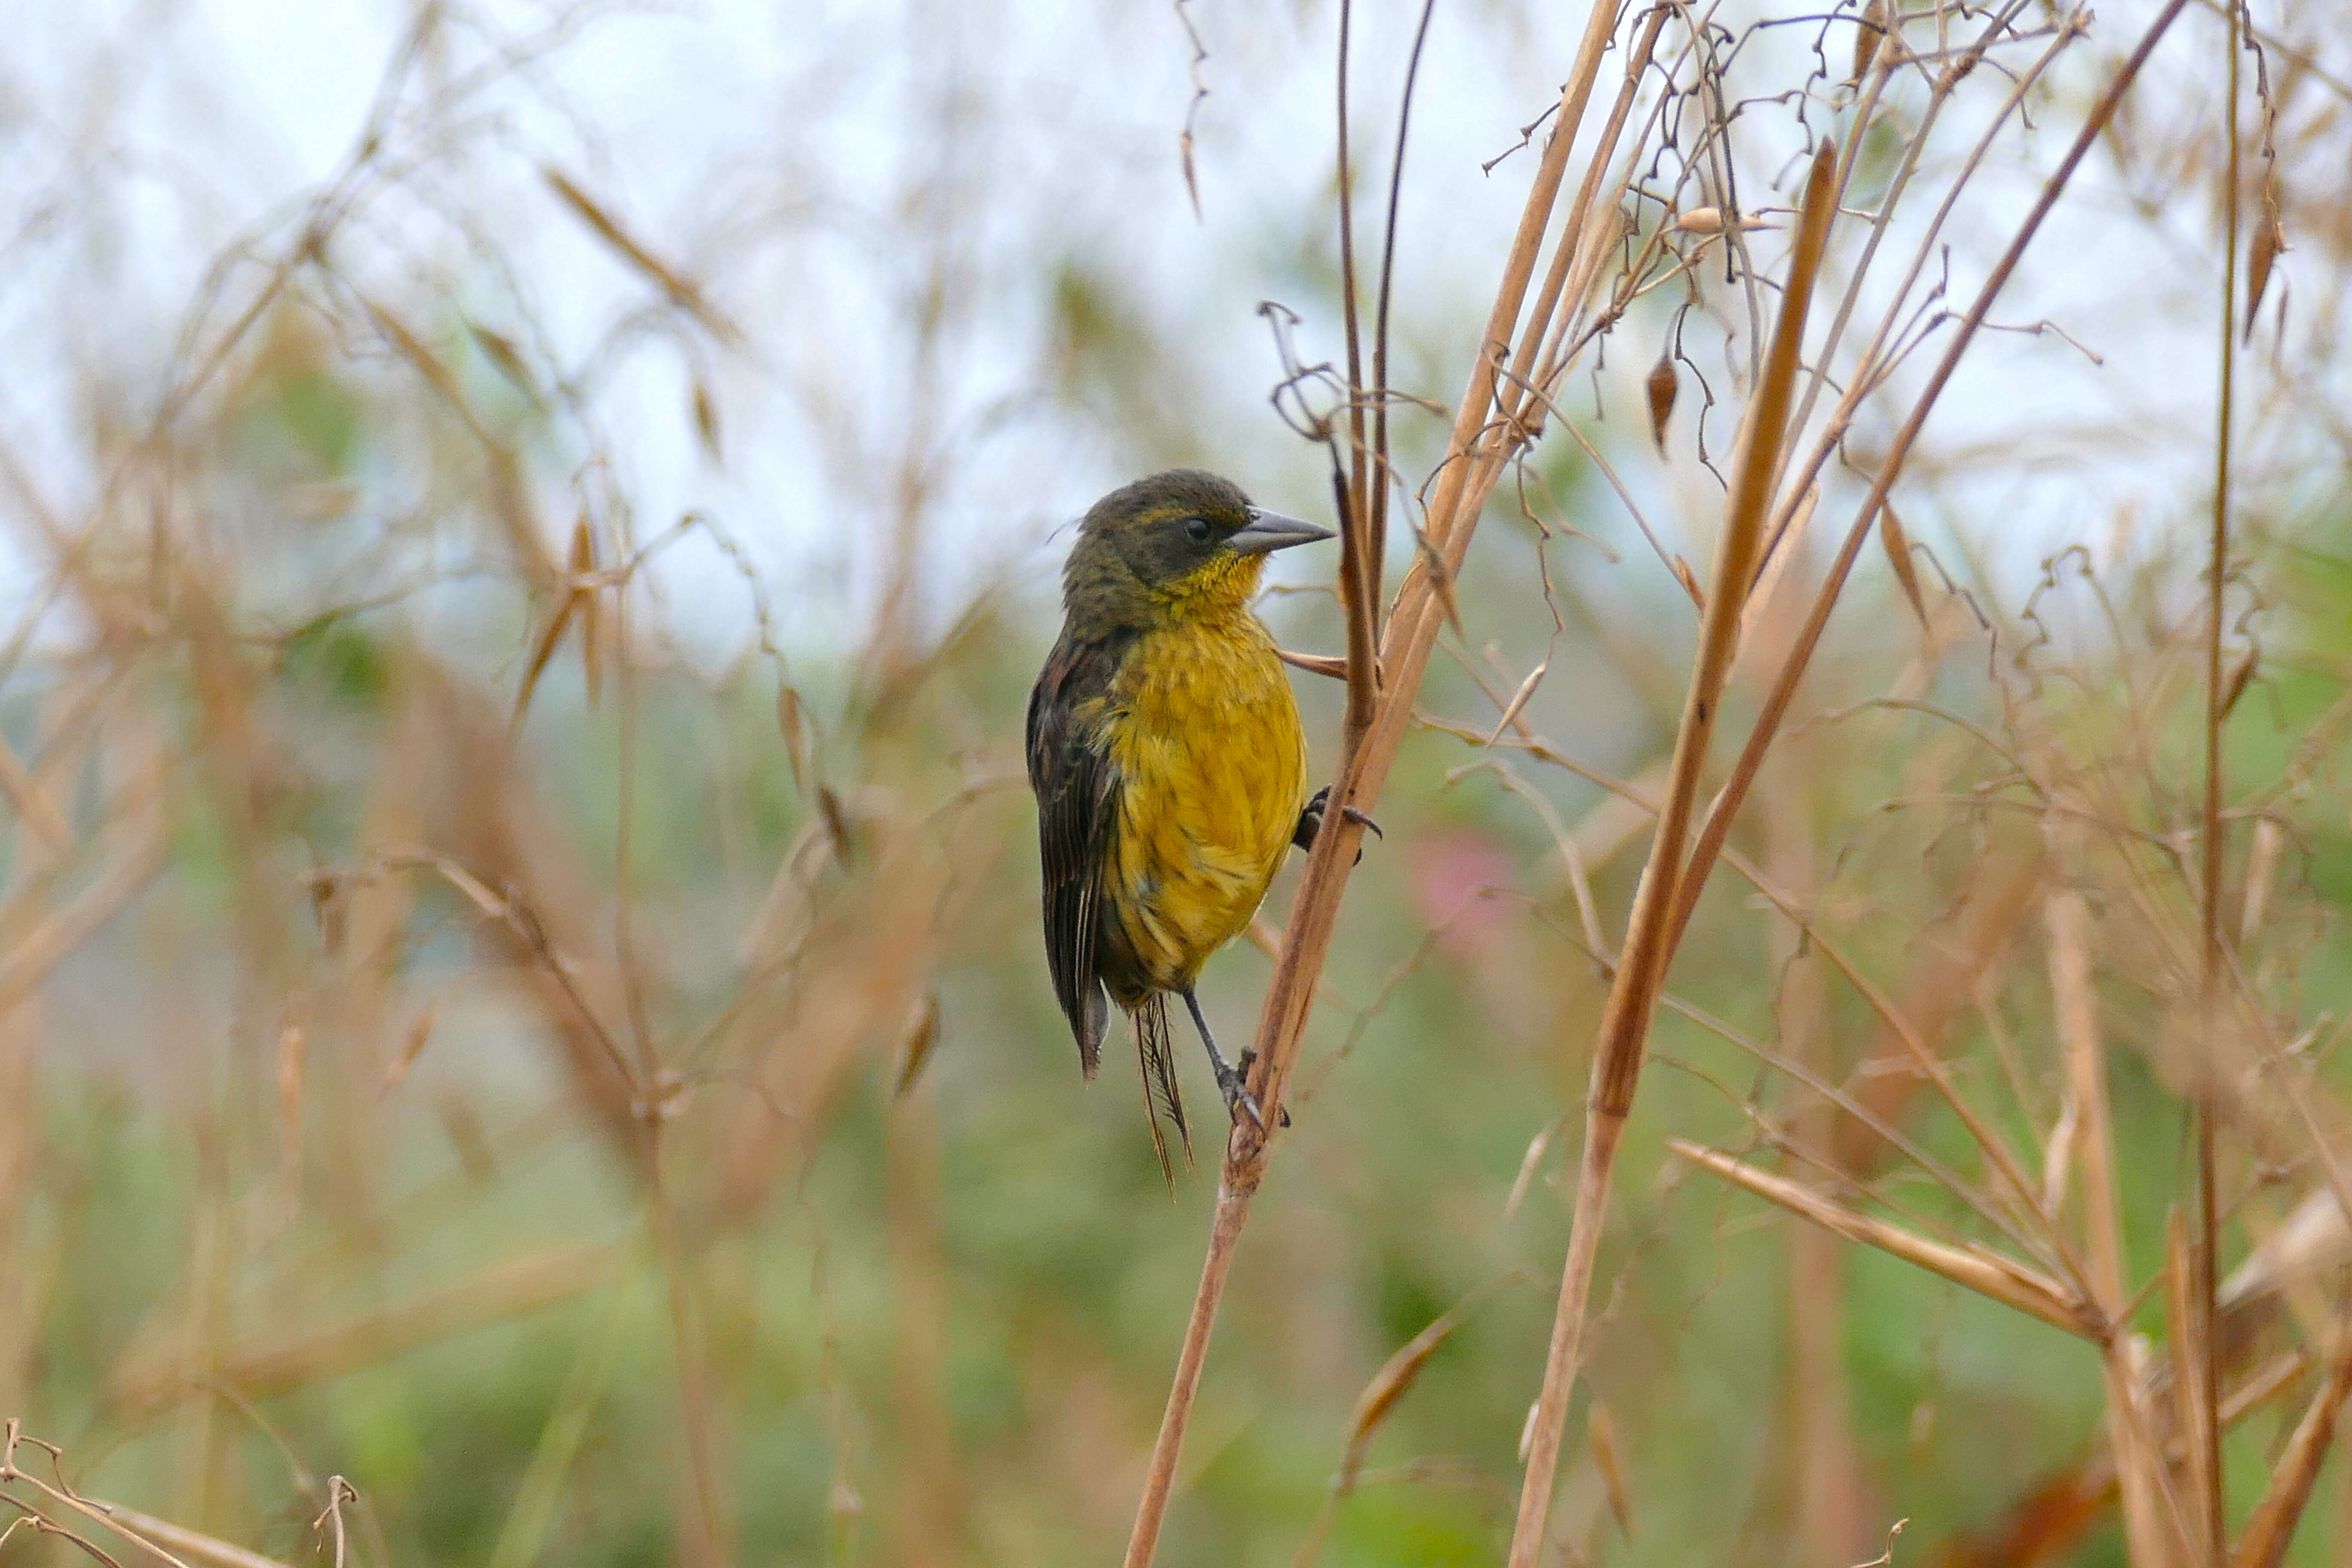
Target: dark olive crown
1163	527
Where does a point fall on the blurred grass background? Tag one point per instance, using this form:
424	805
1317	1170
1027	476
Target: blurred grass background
527	998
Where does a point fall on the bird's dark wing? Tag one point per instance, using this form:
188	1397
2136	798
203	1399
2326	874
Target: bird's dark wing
1077	789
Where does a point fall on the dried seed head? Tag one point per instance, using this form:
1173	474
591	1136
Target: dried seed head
1869	32
1661	386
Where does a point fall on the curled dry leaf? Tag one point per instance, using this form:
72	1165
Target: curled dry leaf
1661	386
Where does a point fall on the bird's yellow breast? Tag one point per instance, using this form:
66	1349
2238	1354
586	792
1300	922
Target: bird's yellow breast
1212	769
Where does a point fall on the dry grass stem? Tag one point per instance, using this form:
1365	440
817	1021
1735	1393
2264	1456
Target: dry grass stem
2002	1280
1617	1052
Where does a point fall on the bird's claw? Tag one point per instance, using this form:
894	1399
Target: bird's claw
1233	1082
1239	1101
1310	821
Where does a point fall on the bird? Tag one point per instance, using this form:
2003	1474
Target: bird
1168	763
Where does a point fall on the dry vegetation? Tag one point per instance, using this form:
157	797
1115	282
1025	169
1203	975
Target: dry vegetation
590	1096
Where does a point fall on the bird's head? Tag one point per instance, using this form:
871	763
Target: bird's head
1176	545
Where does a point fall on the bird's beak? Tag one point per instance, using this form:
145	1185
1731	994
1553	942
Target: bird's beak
1272	531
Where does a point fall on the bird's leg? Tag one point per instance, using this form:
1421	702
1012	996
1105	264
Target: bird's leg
1232	1081
1310	820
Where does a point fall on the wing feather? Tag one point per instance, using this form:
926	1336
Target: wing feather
1077	789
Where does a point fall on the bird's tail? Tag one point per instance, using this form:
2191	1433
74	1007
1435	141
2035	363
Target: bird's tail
1162	1098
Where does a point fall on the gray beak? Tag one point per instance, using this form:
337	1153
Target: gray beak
1272	531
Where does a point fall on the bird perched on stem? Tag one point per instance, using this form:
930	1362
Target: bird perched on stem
1169	765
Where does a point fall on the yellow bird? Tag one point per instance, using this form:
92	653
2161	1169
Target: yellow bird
1169	765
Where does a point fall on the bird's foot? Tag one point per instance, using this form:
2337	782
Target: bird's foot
1310	821
1233	1082
1239	1101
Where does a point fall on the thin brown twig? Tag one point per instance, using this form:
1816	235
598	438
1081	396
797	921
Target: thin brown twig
2205	1469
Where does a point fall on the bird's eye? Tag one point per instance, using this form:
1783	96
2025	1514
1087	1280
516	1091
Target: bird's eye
1196	529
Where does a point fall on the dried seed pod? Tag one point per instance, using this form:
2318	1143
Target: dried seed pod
2263	251
793	720
1870	31
1710	220
1661	386
584	566
506	357
2262	866
706	421
1600	1431
1897	541
923	1034
2239	678
1689	580
411	1046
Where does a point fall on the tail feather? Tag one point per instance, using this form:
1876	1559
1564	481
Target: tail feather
1093	1024
1161	1096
